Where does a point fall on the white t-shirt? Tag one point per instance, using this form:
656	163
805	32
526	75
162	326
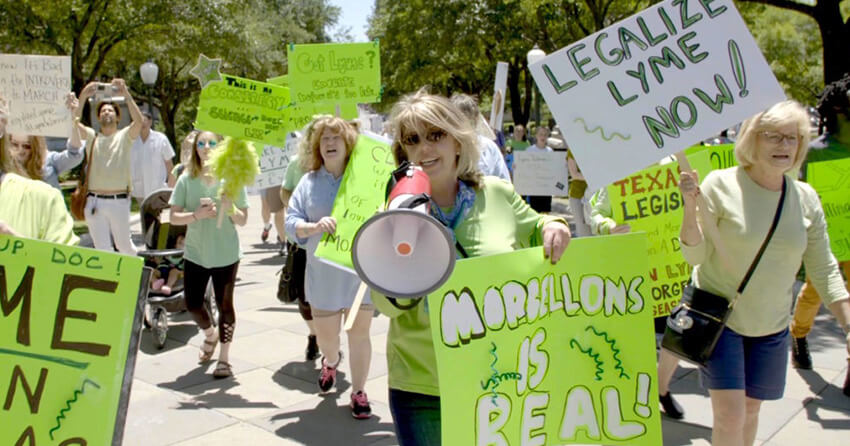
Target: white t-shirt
491	161
148	163
534	149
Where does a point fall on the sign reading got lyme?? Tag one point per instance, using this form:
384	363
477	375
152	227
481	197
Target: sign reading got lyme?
335	73
655	83
538	354
68	336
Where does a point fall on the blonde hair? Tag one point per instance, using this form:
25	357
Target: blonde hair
6	164
309	155
418	112
779	115
38	154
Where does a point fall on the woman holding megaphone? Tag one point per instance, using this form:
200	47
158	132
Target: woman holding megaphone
431	133
324	154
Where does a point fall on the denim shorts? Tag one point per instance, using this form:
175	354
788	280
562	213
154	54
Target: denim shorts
755	364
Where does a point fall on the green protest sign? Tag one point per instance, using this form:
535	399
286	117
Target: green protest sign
534	353
282	81
245	109
722	156
71	320
299	115
335	72
360	195
831	179
650	201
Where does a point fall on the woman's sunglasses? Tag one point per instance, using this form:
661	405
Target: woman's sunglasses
433	136
209	144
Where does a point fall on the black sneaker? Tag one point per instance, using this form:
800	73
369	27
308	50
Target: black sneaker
800	356
671	407
360	408
312	348
327	376
847	381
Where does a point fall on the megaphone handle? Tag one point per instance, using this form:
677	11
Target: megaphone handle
355	307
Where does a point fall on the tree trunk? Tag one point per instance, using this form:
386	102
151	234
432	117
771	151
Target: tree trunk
835	36
519	114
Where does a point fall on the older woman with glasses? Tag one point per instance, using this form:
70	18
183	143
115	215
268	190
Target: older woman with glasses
749	363
485	215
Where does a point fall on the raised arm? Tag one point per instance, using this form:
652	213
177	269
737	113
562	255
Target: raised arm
135	113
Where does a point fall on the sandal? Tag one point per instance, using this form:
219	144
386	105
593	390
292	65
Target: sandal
207	353
222	370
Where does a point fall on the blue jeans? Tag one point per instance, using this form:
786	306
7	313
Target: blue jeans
416	418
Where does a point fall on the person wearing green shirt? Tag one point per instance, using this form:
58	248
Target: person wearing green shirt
517	141
211	251
485	215
834	109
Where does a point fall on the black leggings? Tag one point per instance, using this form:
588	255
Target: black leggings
195	282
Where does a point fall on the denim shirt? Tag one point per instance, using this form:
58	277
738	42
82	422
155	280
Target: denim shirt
59	162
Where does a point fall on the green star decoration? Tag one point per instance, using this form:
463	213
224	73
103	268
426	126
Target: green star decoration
206	70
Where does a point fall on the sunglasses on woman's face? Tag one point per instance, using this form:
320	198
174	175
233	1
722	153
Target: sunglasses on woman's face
209	144
433	136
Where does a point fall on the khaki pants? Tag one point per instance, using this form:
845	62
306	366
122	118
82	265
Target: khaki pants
808	304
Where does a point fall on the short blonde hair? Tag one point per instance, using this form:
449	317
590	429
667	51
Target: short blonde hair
309	155
418	112
779	115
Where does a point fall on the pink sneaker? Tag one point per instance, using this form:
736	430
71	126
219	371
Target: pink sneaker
327	377
360	408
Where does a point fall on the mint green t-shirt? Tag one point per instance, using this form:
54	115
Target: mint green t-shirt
206	244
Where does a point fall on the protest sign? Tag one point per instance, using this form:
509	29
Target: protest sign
540	173
534	353
653	84
497	110
335	72
299	115
650	201
35	88
361	194
273	163
722	156
831	179
282	81
245	109
71	321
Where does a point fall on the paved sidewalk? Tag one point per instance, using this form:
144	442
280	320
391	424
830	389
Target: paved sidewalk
272	399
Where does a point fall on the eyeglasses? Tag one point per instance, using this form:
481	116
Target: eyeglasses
777	138
433	136
209	144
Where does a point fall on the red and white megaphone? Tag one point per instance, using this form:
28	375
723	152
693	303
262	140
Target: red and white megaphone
404	251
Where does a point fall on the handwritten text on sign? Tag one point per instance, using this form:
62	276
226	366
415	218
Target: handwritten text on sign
244	108
540	173
655	83
335	72
361	194
35	88
531	353
67	341
831	179
273	163
650	201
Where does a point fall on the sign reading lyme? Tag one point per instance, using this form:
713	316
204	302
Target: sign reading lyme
533	353
654	84
335	73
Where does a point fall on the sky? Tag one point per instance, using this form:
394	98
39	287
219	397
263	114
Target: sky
354	15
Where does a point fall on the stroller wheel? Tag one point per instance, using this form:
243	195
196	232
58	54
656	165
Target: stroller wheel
160	327
209	304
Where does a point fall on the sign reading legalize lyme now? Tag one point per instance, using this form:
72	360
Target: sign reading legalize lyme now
335	72
831	179
35	88
361	193
244	108
531	353
650	201
68	340
653	84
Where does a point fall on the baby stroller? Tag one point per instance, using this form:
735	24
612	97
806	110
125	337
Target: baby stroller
160	242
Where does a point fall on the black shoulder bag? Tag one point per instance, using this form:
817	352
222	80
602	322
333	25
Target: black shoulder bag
694	326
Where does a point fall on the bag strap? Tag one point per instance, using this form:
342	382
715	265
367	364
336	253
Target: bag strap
89	153
765	242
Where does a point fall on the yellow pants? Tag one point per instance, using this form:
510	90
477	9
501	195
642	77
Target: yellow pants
808	304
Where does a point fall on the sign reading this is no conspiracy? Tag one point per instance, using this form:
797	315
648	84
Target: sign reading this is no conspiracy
653	84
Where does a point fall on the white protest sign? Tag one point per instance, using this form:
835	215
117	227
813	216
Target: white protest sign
653	84
273	164
497	111
35	88
540	173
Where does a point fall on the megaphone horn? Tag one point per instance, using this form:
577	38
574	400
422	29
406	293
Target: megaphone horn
403	251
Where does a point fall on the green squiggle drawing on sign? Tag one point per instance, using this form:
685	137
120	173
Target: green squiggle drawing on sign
594	356
602	132
67	408
618	365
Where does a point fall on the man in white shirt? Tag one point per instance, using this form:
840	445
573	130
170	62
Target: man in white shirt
541	137
151	160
